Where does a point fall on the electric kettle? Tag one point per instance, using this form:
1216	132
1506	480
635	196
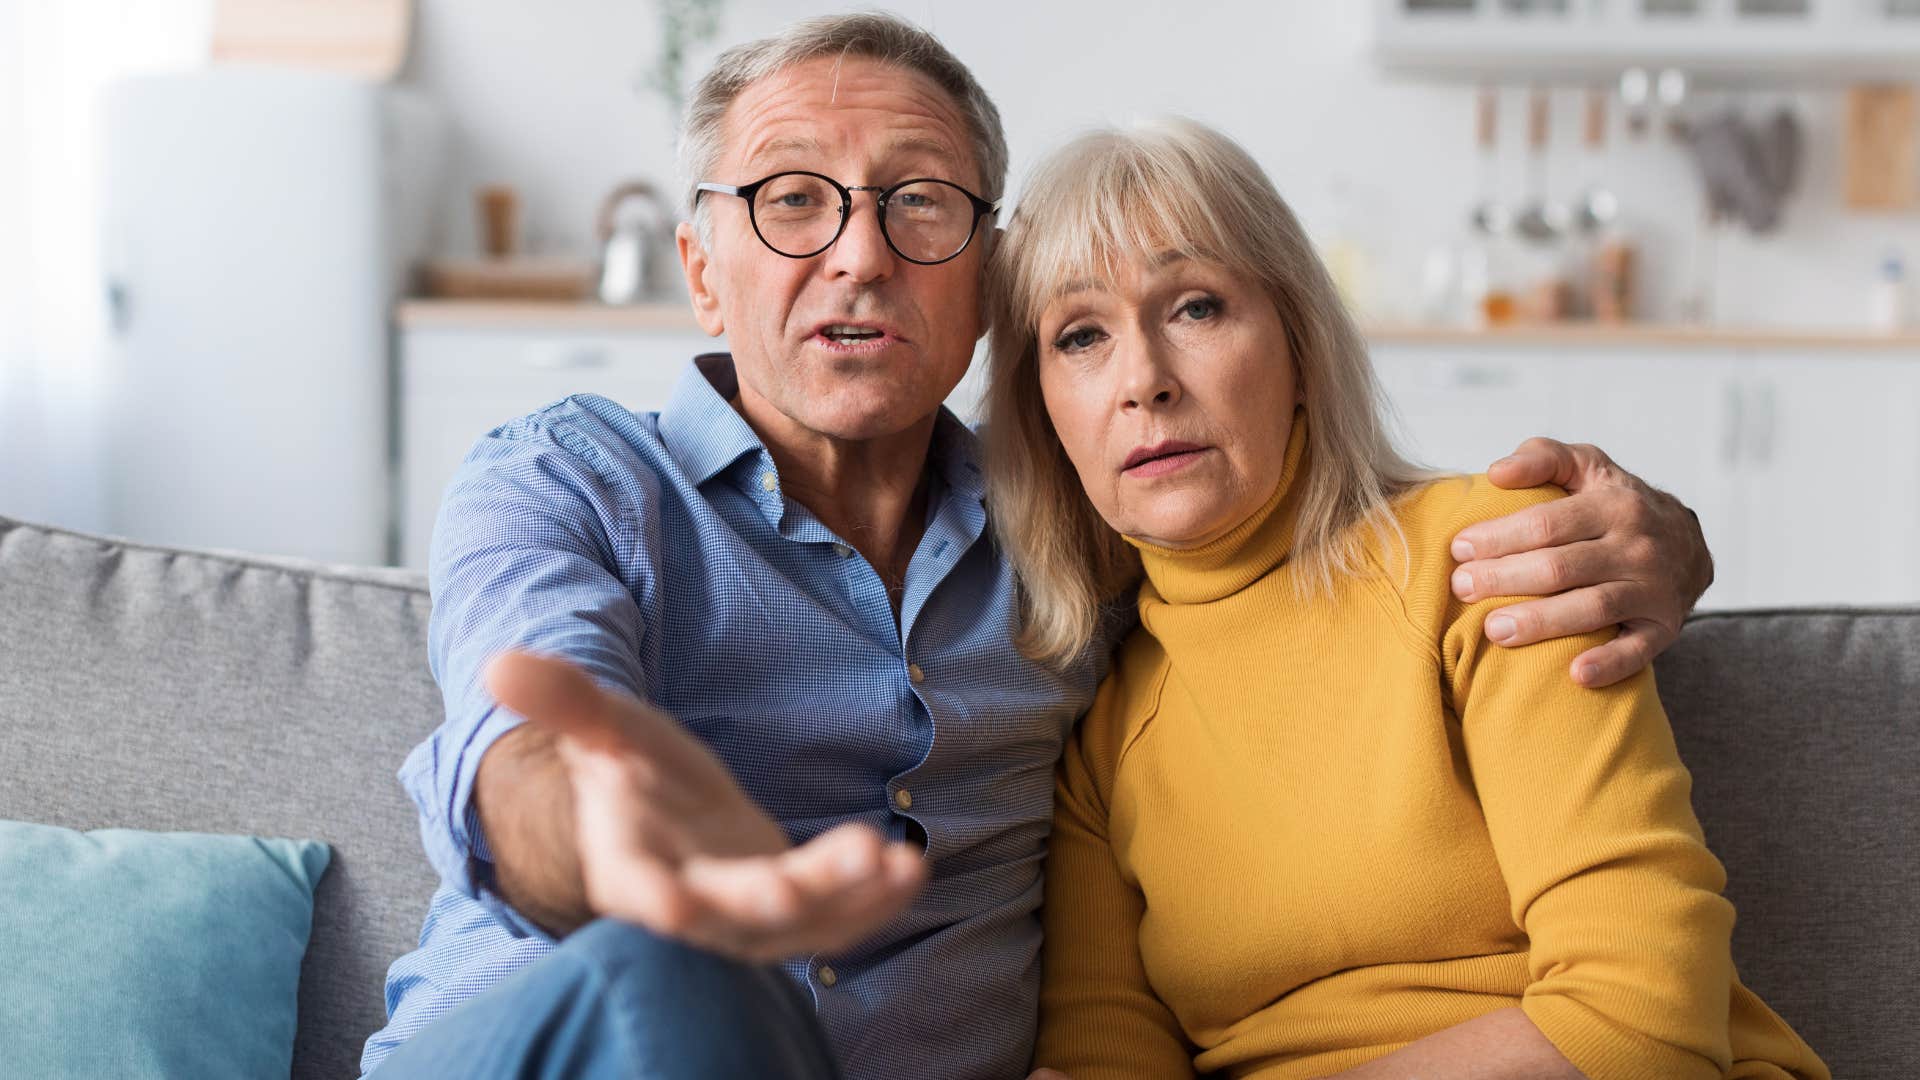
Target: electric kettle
632	243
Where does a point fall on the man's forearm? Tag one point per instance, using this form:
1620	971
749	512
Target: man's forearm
525	801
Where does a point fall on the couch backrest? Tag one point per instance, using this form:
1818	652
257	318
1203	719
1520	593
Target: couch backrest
1802	730
152	688
149	688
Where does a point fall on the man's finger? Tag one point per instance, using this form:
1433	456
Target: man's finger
1539	573
1582	611
1550	524
1624	656
756	910
1534	462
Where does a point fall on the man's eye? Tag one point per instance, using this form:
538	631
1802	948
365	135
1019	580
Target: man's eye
1075	340
1204	308
793	199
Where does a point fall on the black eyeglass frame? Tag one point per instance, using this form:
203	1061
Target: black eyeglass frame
981	208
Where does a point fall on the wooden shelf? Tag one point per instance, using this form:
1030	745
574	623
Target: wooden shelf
1647	335
544	315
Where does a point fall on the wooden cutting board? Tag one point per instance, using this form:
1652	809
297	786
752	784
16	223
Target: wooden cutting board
364	38
1883	165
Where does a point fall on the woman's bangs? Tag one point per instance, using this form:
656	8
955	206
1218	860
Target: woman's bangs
1124	213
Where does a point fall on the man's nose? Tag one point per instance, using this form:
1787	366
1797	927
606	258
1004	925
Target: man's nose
861	253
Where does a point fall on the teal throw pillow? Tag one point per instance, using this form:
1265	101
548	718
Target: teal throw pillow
132	954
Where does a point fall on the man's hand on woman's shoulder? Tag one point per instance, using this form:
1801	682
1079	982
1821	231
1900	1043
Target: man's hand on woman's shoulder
1614	552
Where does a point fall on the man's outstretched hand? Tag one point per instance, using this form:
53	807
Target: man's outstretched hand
669	841
1614	552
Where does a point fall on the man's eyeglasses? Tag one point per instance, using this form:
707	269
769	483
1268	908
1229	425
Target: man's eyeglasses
801	214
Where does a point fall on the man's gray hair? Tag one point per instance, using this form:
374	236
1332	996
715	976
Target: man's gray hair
887	38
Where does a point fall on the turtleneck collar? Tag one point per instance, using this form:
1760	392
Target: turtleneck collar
1243	556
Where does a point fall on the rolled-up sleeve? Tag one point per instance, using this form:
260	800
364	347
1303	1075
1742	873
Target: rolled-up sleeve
531	549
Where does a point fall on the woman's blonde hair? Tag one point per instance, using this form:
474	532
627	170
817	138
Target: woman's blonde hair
1101	201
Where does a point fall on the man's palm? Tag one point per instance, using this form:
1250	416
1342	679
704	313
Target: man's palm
668	840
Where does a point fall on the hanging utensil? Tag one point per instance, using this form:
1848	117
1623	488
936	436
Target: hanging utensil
1541	222
1488	217
1599	207
1635	90
1671	91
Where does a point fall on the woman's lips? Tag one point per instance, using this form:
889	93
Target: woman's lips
1164	462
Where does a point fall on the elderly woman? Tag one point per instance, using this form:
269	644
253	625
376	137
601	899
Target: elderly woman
1314	824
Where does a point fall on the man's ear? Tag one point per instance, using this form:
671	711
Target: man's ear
695	264
989	242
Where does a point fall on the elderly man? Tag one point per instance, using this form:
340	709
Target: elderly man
777	714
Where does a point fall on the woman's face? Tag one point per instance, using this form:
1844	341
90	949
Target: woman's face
1173	391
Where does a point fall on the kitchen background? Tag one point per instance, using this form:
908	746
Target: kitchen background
214	266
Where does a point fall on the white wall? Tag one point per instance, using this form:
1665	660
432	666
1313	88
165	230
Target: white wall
543	97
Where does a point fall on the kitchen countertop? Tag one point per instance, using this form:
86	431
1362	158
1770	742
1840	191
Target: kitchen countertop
674	316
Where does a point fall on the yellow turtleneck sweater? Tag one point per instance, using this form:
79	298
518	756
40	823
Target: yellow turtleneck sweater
1297	832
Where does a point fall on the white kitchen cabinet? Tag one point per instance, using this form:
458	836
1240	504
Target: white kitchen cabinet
457	383
1804	465
1828	477
1809	40
1461	408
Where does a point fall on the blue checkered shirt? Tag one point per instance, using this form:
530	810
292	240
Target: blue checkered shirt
660	552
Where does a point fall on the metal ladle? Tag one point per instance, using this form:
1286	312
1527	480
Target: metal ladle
1599	207
1541	222
1488	218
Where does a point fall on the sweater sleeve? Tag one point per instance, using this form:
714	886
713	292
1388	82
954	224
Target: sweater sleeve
1607	870
1099	1018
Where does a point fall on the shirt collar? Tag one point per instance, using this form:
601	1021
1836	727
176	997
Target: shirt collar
702	432
706	436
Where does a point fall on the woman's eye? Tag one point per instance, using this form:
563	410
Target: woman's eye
1075	340
1203	308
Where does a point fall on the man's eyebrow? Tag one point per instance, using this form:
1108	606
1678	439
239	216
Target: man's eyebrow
923	144
786	144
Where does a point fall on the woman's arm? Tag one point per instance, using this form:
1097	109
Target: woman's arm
1099	1018
1587	805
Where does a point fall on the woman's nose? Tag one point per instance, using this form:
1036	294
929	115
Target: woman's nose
1145	377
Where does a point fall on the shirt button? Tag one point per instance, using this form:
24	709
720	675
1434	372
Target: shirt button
916	674
769	482
828	976
903	799
843	551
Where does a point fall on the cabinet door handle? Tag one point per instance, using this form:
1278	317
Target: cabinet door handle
568	357
1736	422
1763	433
1482	375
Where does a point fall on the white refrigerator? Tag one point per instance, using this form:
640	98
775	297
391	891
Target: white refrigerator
258	226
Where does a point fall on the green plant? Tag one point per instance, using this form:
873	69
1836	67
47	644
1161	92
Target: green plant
683	24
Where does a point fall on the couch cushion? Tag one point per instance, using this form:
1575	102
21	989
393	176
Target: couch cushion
143	687
149	956
1802	730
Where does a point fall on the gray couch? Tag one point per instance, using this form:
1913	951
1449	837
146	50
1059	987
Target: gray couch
156	688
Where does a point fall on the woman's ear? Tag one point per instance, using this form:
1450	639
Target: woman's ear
695	264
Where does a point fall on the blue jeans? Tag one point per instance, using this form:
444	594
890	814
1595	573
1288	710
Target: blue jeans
616	1001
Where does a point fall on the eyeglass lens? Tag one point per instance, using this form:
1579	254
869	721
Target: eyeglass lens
799	215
